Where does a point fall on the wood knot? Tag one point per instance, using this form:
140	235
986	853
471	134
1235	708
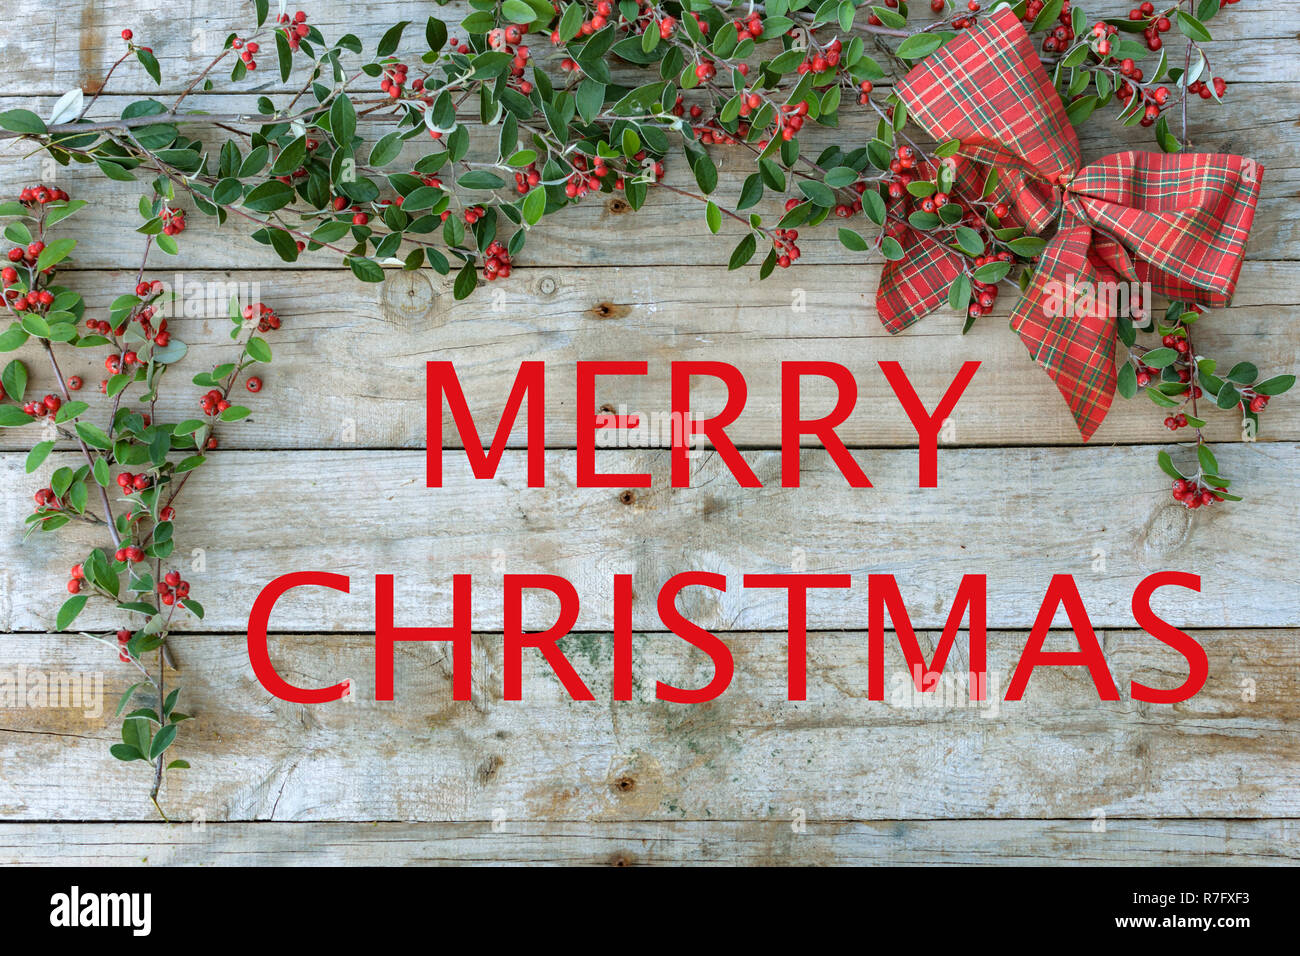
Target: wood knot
406	297
488	769
627	497
547	285
609	310
1166	532
618	206
625	784
621	859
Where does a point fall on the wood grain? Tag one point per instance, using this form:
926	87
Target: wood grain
1159	842
670	229
1016	514
349	362
749	755
334	480
81	47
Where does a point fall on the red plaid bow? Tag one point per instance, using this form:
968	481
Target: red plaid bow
1179	222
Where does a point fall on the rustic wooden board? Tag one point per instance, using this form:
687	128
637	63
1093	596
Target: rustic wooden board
1256	42
670	229
1210	781
1016	514
349	365
749	755
1125	842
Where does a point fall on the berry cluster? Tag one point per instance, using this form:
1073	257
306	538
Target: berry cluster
173	221
130	553
1060	36
1156	25
267	319
394	78
131	483
784	242
49	405
246	52
1195	493
496	261
172	588
294	28
819	61
985	293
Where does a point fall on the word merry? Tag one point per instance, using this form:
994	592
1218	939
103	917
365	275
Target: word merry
530	385
885	602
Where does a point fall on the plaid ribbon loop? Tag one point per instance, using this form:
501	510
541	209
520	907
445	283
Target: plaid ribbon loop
1176	222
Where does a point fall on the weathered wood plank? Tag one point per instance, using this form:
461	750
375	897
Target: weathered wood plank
947	843
1018	515
670	229
349	362
81	46
749	755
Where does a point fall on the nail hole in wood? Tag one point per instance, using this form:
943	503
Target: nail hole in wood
609	310
625	784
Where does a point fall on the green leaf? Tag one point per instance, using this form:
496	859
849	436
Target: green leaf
891	249
969	241
55	252
1207	459
853	241
36	457
125	752
818	193
386	150
1193	28
743	252
480	179
343	121
14	380
516	11
269	196
713	216
150	64
919	45
367	270
435	34
284	55
1127	380
1243	373
1159	358
22	121
1276	385
258	350
162	740
534	205
466	282
68	613
11	416
1167	465
93	435
389	41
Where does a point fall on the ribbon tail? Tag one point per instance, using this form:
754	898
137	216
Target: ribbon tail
1075	346
914	286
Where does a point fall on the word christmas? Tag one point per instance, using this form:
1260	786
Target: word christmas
884	602
530	385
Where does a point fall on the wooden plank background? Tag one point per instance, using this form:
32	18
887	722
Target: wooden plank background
333	478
